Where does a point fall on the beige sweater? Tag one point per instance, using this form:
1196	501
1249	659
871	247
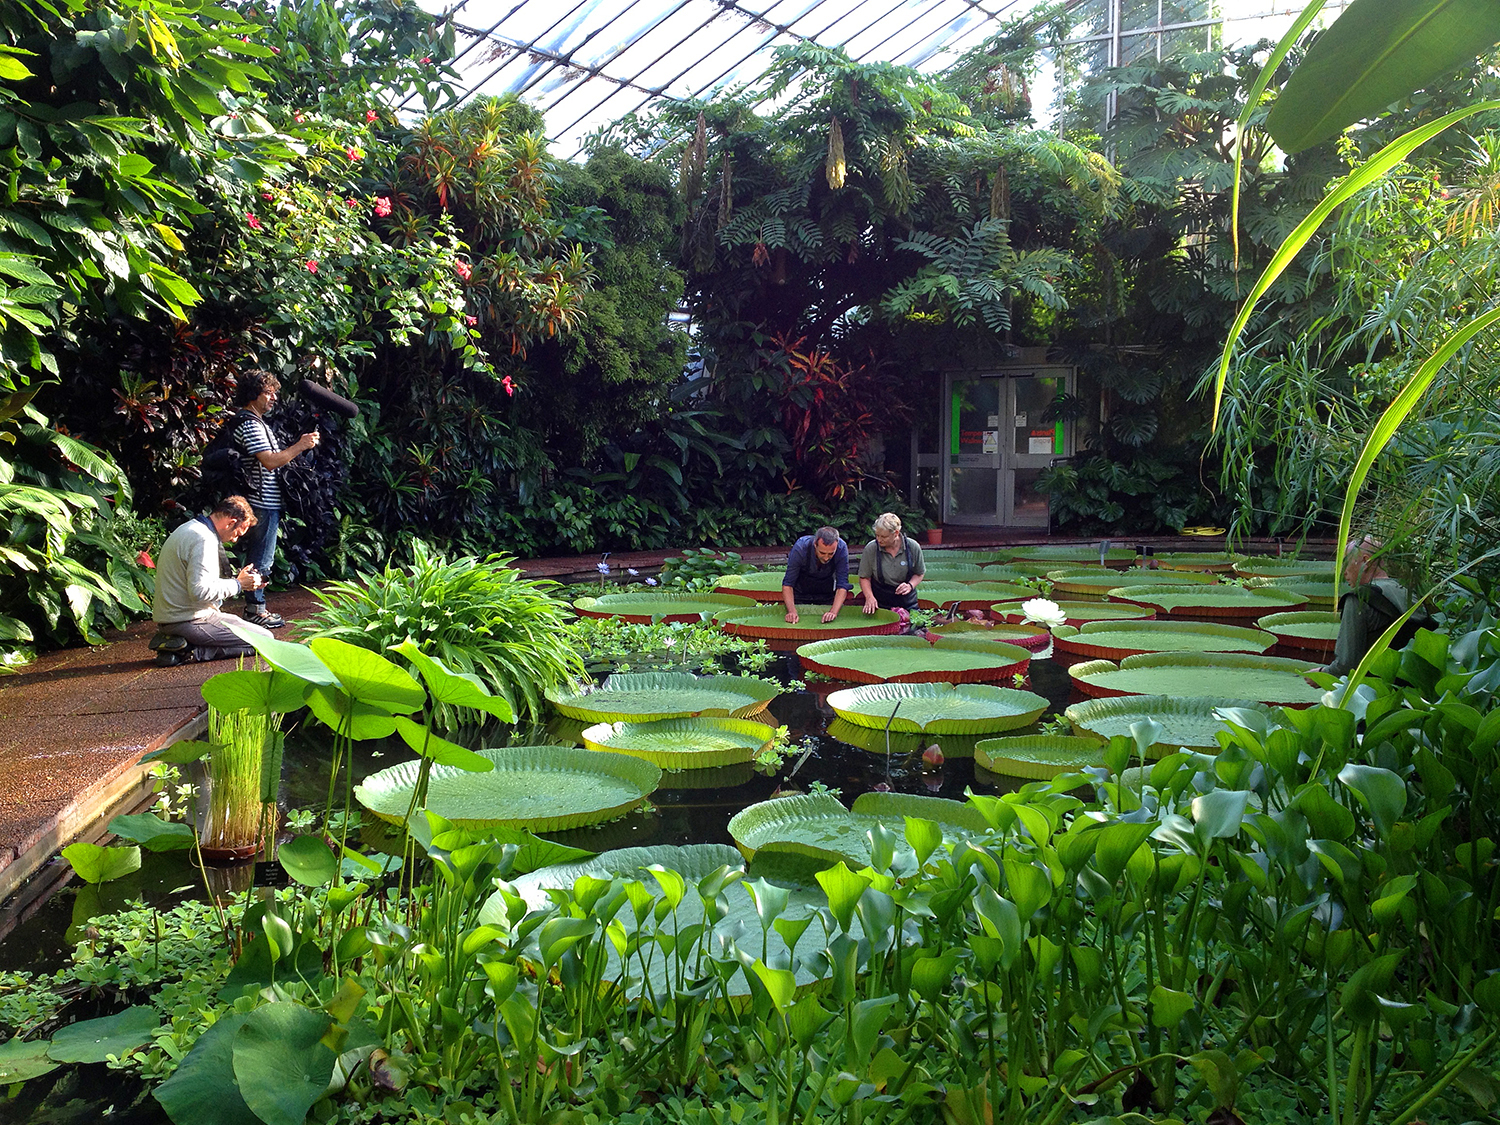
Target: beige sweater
188	586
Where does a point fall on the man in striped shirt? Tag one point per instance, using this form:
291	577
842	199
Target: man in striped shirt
257	392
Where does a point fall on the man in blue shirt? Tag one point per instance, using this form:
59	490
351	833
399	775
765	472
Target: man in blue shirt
817	571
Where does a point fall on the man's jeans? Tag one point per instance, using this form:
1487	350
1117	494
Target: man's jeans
258	548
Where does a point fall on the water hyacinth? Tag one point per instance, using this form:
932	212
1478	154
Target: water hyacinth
1041	611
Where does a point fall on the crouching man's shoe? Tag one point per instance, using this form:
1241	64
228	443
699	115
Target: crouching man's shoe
165	659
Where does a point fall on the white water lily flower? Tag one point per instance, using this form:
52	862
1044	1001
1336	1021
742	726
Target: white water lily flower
1044	612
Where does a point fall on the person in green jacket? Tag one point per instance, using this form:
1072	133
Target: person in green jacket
1373	601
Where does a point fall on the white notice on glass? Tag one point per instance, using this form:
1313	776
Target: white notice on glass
991	441
1036	444
994	422
1021	422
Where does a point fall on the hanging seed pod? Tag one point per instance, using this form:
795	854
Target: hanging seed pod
1000	194
694	160
894	180
834	167
726	194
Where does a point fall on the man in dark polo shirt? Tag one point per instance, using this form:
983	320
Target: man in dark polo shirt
817	571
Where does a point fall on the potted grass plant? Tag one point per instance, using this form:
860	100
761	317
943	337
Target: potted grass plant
235	824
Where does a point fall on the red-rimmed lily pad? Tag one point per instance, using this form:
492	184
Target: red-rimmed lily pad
942	556
683	744
818	826
760	586
1078	554
1269	566
1209	601
1033	638
644	607
543	788
938	708
1317	589
1096	582
1209	562
899	743
1312	631
1266	679
875	660
1186	722
1038	756
768	623
1113	640
1078	612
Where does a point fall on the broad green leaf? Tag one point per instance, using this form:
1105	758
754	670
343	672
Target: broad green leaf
281	1064
1029	887
359	721
21	1061
930	975
90	1041
1000	920
368	676
1115	844
95	864
1340	862
440	750
258	692
924	836
309	860
780	984
1219	813
460	689
1381	792
152	832
843	888
1359	994
294	659
1375	53
1168	1006
1356	181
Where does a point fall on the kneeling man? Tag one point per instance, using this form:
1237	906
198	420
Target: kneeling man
817	571
189	589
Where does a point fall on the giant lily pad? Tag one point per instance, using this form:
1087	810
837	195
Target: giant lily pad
938	708
817	825
1079	612
1038	756
761	586
1033	638
876	742
683	744
1266	679
1112	640
944	556
912	660
1312	631
646	606
954	572
543	788
1019	571
1209	601
935	594
1098	581
1210	562
1286	567
1317	589
646	696
1081	553
1187	722
768	623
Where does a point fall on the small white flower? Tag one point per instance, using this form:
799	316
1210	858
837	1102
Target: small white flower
602	568
631	570
1041	611
669	641
650	582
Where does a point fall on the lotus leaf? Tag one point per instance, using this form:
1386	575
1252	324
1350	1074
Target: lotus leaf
683	744
1112	640
873	660
768	622
1316	589
1096	582
1038	756
817	825
938	708
645	607
1266	679
874	741
92	1041
1079	612
1188	722
21	1061
1079	553
644	696
1216	562
1033	638
1311	630
1272	567
1208	601
761	586
544	788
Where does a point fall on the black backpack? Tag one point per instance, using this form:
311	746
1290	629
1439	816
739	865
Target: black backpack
224	462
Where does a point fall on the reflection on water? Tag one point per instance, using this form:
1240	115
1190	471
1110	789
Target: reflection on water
690	807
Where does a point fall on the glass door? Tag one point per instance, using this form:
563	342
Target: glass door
998	442
1035	443
972	480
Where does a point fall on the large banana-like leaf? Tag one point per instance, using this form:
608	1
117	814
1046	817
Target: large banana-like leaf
873	660
1266	679
1114	640
1038	756
1377	52
817	825
1186	722
683	744
938	708
543	788
645	696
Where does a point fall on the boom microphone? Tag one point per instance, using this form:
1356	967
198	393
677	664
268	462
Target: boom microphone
324	399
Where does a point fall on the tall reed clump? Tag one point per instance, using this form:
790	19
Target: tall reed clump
478	616
236	812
